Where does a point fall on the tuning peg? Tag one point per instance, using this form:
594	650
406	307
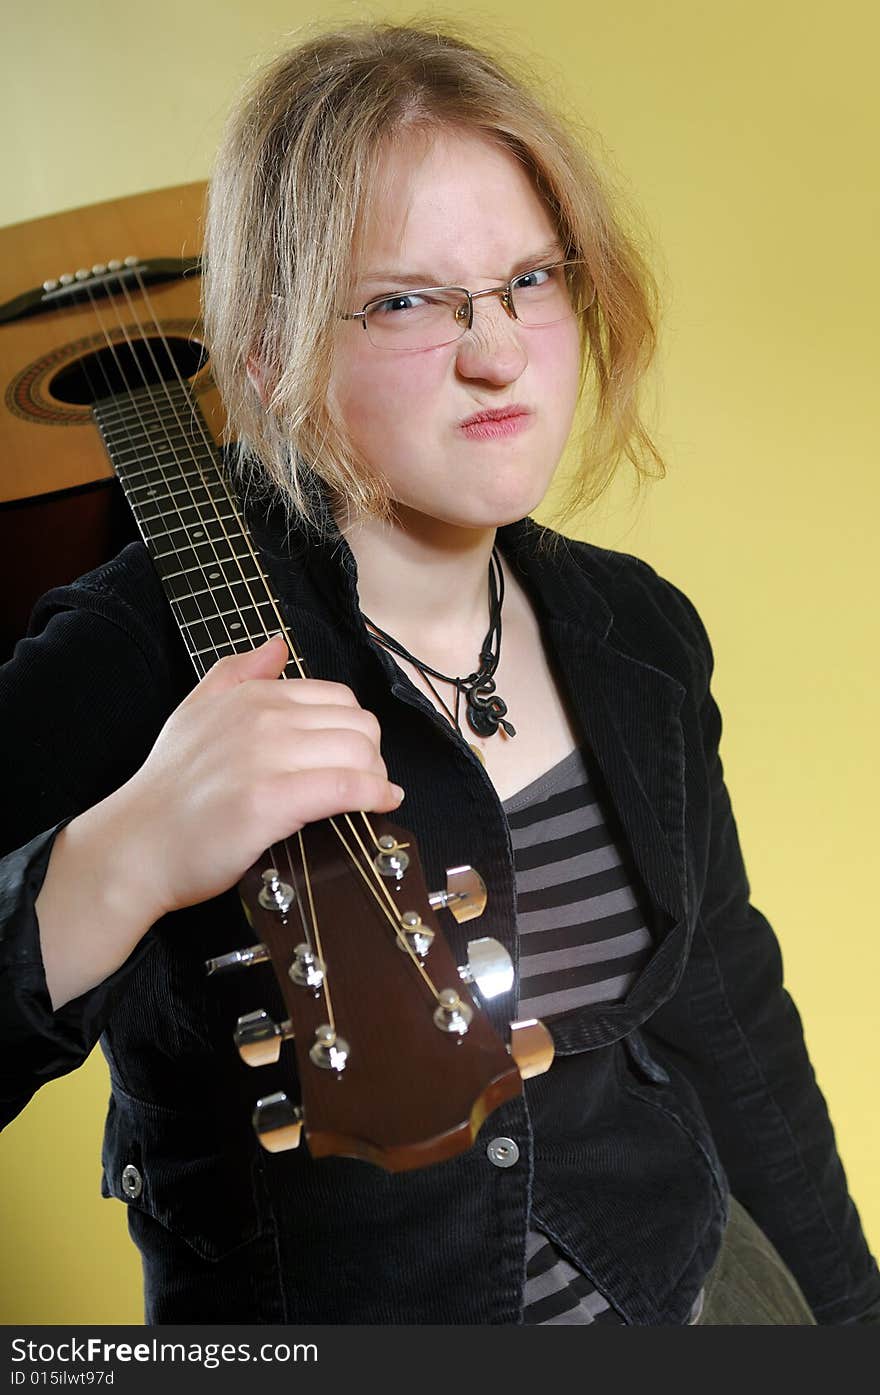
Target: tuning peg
238	959
392	859
531	1046
452	1014
465	894
414	934
277	1123
275	895
489	966
306	969
259	1038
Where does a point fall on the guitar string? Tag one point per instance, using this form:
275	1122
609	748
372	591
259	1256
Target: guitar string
171	494
391	910
124	421
374	880
150	442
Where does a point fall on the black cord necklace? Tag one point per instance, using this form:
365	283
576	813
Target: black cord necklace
485	710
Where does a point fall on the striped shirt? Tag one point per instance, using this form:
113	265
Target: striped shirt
582	939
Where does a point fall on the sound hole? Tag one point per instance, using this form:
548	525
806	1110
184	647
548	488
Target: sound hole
125	367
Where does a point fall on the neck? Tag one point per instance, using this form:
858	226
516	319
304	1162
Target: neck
426	583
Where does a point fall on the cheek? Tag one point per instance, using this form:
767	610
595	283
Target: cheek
561	359
383	399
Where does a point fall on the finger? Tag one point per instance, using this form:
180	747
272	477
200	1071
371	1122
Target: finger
266	661
330	748
322	793
315	717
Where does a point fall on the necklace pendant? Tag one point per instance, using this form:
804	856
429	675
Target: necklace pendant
485	712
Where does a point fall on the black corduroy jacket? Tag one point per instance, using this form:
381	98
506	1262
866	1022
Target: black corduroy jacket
696	1084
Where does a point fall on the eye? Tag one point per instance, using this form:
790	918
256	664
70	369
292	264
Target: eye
532	279
398	304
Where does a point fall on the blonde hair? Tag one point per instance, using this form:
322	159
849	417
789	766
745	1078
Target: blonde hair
289	193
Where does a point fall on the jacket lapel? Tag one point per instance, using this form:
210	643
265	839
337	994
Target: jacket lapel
629	713
628	708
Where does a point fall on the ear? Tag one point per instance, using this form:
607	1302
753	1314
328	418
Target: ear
256	371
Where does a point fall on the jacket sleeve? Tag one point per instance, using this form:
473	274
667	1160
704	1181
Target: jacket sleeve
732	1028
82	700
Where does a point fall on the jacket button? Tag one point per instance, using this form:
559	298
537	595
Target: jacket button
503	1152
132	1182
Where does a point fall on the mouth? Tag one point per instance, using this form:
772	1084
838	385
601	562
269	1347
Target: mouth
496	422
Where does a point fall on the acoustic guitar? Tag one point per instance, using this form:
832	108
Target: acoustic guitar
111	423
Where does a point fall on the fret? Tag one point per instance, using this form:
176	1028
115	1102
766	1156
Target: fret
191	518
255	608
240	645
172	442
193	511
200	493
200	566
240	591
216	544
160	482
137	406
131	406
163	468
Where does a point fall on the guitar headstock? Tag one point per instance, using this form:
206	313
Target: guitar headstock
396	1058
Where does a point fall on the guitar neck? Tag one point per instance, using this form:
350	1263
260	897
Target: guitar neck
190	519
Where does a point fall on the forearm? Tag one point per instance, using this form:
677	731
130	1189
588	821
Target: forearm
95	903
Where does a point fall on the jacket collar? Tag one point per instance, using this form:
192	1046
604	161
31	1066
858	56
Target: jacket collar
542	559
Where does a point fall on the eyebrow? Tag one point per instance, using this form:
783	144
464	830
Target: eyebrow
549	251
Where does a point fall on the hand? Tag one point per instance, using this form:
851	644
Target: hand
244	762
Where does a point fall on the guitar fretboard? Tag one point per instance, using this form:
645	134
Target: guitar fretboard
190	520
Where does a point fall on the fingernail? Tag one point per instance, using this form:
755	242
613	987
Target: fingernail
398	791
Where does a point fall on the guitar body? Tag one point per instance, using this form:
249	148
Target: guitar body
61	511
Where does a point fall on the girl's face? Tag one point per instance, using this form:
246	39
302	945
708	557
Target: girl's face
463	212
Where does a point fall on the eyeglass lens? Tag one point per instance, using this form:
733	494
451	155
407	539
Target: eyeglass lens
423	319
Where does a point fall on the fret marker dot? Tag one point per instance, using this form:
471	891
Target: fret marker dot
198	533
152	491
236	625
213	576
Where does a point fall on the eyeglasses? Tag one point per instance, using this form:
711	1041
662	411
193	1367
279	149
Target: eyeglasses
432	316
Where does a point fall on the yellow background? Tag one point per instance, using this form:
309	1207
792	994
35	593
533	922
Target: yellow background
747	133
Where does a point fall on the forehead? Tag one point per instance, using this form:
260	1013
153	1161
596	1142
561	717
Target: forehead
451	203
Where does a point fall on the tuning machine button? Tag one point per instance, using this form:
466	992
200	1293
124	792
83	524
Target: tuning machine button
277	1123
238	959
489	966
275	895
452	1014
415	935
307	970
329	1051
465	894
392	859
258	1037
531	1046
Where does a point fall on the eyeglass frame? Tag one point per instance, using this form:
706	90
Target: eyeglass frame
504	291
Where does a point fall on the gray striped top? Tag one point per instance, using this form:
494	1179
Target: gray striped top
583	939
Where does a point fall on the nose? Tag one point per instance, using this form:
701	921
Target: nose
492	349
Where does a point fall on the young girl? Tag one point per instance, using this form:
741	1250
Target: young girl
413	274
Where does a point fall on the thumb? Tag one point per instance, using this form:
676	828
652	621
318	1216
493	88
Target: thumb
266	661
